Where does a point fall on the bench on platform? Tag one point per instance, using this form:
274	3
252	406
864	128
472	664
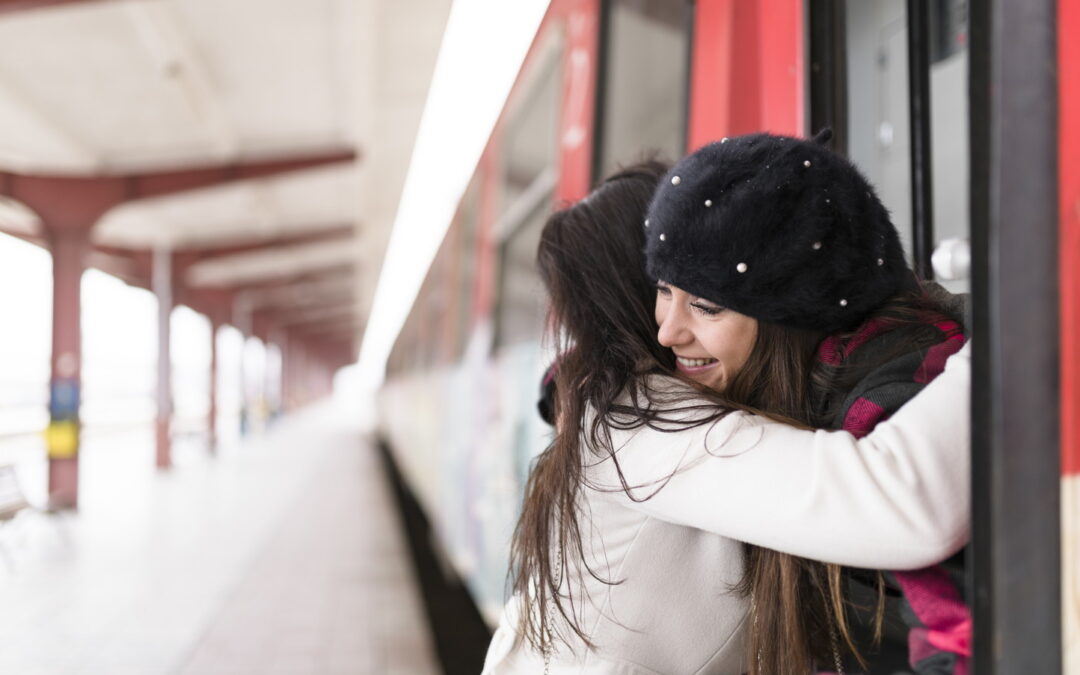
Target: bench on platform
12	503
12	499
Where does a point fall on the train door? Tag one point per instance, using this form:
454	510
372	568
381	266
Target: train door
950	109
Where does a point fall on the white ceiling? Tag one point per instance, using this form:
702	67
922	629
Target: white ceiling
126	86
151	84
254	210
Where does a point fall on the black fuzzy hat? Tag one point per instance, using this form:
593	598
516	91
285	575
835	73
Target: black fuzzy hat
780	229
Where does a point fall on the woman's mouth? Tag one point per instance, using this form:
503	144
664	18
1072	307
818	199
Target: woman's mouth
692	366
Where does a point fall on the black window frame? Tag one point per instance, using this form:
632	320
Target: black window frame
1014	559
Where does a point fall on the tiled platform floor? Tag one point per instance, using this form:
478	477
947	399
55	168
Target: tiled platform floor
283	555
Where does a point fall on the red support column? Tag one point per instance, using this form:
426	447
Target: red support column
242	319
302	375
69	206
211	421
747	69
579	92
286	372
163	287
1069	270
69	249
275	399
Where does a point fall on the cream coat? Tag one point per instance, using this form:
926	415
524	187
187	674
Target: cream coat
895	499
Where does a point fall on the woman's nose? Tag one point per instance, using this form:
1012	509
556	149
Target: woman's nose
672	331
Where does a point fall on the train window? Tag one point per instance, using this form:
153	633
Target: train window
465	225
529	156
949	126
907	117
878	134
645	71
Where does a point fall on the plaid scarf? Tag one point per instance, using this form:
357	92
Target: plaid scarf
938	620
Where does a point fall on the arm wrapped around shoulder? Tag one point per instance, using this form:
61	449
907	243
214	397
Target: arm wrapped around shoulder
897	498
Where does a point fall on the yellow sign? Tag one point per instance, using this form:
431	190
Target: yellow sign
62	440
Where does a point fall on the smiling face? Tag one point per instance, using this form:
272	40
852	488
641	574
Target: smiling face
711	343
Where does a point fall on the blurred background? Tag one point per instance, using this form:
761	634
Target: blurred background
272	333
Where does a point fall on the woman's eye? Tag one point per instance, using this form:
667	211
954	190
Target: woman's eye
663	290
707	310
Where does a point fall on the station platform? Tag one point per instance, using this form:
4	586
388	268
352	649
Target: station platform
282	554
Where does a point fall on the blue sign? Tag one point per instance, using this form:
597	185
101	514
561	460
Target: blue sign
64	398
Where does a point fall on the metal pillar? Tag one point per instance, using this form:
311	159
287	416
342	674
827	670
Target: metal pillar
69	206
241	318
211	422
303	376
162	285
1016	442
286	372
69	249
922	181
274	377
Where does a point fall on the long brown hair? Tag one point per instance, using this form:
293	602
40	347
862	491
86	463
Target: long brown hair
601	318
798	607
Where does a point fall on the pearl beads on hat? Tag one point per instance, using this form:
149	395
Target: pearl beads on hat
806	164
740	268
880	262
646	222
816	246
843	302
708	203
663	237
675	180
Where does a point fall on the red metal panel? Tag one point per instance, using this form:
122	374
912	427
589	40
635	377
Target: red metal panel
1069	195
782	67
710	72
578	100
581	20
747	69
69	252
64	202
484	284
449	260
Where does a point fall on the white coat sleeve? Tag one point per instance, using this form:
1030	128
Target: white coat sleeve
896	499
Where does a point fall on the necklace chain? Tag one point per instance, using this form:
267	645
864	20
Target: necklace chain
549	643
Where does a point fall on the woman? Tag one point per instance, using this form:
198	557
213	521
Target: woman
591	560
783	237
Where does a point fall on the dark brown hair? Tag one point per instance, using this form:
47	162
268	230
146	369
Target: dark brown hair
601	317
798	609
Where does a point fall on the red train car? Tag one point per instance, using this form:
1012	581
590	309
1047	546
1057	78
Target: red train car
966	117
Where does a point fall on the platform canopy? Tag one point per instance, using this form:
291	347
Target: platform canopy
145	90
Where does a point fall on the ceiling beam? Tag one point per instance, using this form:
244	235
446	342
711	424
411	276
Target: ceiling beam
78	202
293	301
342	271
11	6
317	315
345	329
312	235
256	266
303	291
